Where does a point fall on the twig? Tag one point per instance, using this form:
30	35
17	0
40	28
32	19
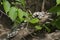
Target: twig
43	5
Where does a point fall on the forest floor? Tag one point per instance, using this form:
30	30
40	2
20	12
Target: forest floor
25	33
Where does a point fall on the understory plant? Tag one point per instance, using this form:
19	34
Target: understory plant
18	15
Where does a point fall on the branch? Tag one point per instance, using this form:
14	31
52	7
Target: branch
43	5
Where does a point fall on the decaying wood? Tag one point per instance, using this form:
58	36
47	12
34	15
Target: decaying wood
22	33
42	36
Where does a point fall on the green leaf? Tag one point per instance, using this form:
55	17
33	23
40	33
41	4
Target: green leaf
57	23
6	6
58	13
23	2
17	0
35	20
21	14
58	2
48	29
55	9
13	13
38	27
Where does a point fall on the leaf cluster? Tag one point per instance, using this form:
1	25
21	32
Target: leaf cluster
18	15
